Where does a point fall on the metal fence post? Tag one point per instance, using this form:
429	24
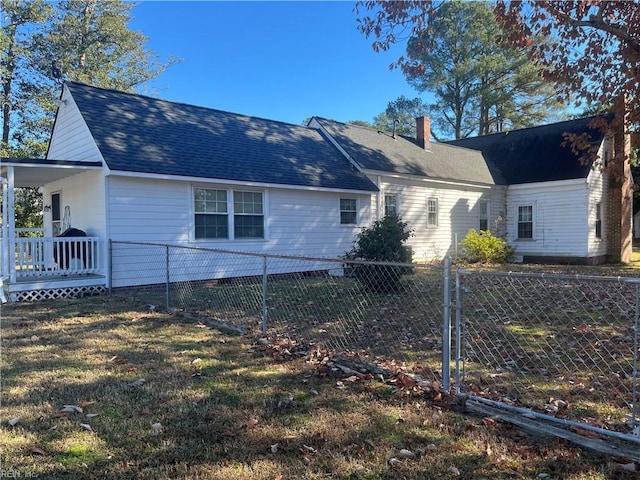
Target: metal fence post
167	276
264	295
446	324
458	330
635	421
110	267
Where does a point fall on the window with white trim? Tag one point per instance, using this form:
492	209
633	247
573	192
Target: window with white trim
248	215
483	212
211	213
525	222
348	211
432	212
599	220
391	205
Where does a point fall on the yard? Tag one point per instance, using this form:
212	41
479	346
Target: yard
108	387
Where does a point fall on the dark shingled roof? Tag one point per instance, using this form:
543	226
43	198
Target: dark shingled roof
142	134
379	151
534	154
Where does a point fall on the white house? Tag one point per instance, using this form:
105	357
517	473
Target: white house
126	167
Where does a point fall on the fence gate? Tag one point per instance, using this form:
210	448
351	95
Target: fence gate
555	349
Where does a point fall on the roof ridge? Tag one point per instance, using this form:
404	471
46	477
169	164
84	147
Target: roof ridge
524	129
185	104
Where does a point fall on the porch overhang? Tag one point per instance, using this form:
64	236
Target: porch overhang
35	172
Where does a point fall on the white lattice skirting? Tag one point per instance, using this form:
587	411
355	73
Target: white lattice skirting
54	293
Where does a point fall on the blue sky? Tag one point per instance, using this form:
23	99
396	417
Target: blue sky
284	61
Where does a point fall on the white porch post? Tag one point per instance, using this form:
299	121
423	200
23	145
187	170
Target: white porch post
4	255
11	224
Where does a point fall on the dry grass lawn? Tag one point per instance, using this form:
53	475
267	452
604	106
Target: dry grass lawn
150	395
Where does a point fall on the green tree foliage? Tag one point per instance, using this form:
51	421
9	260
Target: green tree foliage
384	241
480	86
453	52
403	112
44	44
484	247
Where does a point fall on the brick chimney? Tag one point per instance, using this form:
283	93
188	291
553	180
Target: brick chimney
620	193
423	132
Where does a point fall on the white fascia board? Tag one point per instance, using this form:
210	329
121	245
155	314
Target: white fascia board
201	180
420	178
553	184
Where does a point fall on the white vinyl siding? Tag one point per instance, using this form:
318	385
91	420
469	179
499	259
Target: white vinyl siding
457	213
84	195
560	218
298	222
71	138
597	196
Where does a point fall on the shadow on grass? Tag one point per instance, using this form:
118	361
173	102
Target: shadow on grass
212	406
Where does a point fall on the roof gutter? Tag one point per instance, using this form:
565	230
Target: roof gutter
222	181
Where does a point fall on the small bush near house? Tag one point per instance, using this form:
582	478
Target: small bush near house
484	247
382	242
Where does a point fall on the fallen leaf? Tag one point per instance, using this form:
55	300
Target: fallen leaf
91	415
274	448
86	426
489	422
137	383
70	409
429	448
38	451
308	449
394	461
404	453
86	403
251	423
157	426
13	422
453	471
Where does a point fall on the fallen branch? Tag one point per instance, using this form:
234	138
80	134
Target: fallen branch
216	324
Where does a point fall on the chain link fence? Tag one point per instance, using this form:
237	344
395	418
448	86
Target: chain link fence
551	347
383	314
562	346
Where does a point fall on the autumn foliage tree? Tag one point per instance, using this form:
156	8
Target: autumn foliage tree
593	50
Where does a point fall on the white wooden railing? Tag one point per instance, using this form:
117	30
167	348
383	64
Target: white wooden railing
49	256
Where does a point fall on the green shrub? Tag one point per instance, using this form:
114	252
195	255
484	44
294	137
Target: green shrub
483	247
382	242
